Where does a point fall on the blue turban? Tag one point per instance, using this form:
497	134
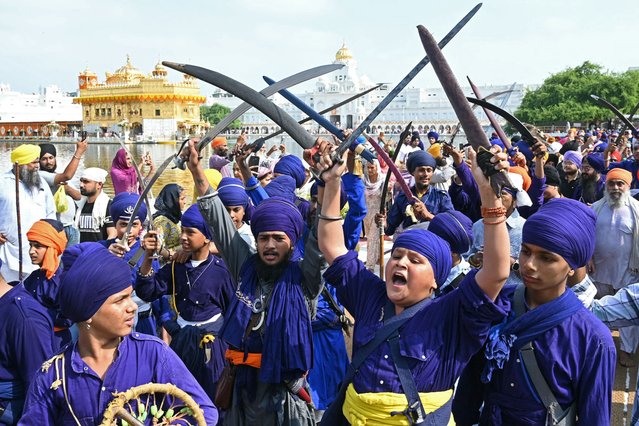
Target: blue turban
291	166
524	148
232	192
600	147
498	142
455	228
278	214
596	161
433	134
574	157
563	226
122	207
419	158
91	274
192	218
432	247
282	186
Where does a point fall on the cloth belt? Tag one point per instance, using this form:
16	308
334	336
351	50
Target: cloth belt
372	409
237	358
12	389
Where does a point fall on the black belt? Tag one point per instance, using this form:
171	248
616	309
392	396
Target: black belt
144	315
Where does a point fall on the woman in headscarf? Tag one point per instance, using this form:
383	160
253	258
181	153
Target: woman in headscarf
202	290
75	386
436	339
373	183
47	241
123	175
168	212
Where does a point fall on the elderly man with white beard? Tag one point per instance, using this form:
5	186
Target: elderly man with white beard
615	263
36	202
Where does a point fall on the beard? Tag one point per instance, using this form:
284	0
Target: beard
30	178
616	199
49	167
269	273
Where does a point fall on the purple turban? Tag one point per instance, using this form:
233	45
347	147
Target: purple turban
498	142
563	226
455	228
91	275
278	214
419	158
291	166
232	192
432	247
192	218
524	148
574	157
122	207
596	161
282	186
599	146
433	134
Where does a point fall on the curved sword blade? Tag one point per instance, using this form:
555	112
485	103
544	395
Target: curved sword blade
289	81
491	117
616	111
402	84
256	99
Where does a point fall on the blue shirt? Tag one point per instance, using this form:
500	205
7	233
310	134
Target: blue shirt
436	201
201	292
26	337
438	341
140	359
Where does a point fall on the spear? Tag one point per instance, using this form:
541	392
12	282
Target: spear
16	167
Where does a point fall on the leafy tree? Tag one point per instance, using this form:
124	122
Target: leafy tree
565	96
215	113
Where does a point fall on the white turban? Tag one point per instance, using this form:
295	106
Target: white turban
95	174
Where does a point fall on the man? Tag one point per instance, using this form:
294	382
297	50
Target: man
267	324
219	159
570	178
592	183
26	341
432	201
630	164
48	165
615	263
92	218
36	202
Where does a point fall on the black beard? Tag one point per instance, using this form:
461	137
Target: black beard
269	273
49	168
30	178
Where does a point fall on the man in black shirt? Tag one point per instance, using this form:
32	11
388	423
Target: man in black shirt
93	217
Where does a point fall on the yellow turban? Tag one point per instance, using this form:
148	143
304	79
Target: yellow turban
25	154
435	150
213	176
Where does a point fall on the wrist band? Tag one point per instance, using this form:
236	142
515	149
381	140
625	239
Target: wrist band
76	157
502	220
331	218
493	211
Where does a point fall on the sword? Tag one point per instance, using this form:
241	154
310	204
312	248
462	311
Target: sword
472	128
16	168
393	168
526	134
616	111
256	99
143	195
492	95
400	86
292	80
491	117
319	119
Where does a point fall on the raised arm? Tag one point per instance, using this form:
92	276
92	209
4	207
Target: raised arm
496	260
71	168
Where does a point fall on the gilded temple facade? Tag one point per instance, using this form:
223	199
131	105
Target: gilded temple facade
144	106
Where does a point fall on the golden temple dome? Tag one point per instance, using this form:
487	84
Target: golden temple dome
159	70
125	73
343	53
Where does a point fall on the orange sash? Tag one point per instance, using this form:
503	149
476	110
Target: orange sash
237	358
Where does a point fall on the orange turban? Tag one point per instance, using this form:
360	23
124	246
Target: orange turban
524	174
218	141
55	241
620	174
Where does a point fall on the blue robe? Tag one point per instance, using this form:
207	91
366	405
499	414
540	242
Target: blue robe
141	359
436	201
26	341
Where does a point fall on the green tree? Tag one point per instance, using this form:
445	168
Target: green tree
215	113
565	96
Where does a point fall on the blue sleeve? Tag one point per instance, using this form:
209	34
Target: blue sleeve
255	191
395	215
356	209
536	194
468	183
445	204
34	344
595	385
39	405
155	286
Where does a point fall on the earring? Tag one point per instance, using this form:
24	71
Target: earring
87	326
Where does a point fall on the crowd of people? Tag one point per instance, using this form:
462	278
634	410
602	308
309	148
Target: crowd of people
492	309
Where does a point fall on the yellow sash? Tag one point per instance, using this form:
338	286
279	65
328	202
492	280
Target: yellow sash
372	409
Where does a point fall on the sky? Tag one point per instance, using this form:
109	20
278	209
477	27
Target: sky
525	41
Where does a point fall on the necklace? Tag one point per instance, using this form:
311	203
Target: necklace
188	281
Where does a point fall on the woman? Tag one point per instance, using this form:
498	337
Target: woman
166	219
439	339
75	386
201	288
123	173
47	240
373	182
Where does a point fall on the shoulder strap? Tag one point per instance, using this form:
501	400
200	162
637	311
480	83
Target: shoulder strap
519	300
133	261
332	304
